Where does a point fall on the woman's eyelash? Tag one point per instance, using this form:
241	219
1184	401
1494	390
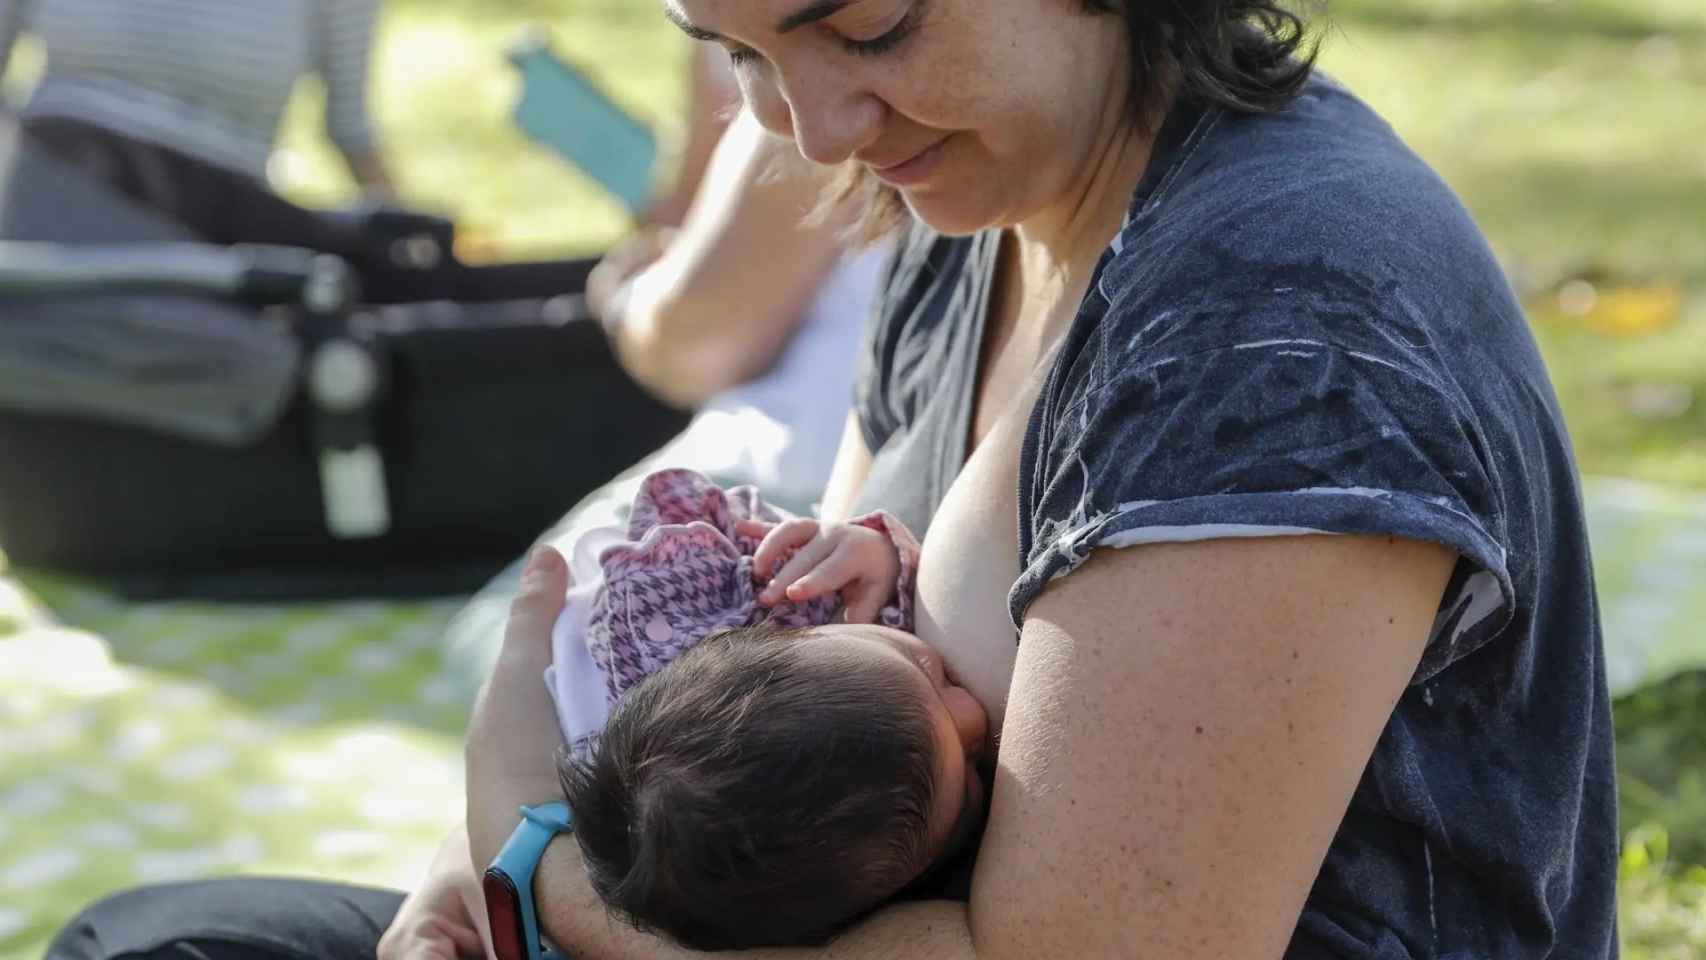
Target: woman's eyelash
889	40
741	56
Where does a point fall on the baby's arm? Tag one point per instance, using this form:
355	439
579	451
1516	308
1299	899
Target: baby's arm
812	558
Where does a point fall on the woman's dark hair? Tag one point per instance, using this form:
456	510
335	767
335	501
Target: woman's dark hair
1247	56
756	793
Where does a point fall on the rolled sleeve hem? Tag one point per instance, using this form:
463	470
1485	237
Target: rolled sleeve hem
1469	615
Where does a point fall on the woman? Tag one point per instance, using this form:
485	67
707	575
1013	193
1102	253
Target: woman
1308	663
177	103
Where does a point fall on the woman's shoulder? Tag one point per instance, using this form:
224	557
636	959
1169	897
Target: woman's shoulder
1315	218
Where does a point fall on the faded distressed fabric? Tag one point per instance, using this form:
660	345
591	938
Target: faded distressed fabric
679	573
1300	330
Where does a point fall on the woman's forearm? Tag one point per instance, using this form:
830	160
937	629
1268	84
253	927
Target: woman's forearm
680	345
719	306
513	733
576	920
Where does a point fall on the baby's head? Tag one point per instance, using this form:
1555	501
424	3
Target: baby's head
770	786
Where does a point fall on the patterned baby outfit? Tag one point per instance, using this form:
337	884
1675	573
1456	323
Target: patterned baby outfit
678	573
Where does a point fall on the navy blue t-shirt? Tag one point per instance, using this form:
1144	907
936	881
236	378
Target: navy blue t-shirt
1300	330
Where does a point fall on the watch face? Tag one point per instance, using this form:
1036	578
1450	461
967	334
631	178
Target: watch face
503	912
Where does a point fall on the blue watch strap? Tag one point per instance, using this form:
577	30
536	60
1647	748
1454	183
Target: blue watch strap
519	859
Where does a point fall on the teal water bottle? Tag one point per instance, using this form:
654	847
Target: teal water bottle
564	110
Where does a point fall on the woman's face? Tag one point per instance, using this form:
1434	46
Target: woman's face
980	112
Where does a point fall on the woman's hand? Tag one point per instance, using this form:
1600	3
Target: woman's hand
444	918
513	734
819	558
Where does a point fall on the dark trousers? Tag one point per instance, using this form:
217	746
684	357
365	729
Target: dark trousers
240	918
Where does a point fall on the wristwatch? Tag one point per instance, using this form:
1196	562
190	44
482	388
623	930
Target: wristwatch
508	883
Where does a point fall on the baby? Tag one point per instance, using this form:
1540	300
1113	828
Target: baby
752	761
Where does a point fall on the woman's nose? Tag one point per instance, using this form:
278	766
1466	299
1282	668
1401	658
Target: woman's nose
769	107
829	118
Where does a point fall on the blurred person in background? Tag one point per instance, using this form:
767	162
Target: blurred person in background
176	104
736	297
746	315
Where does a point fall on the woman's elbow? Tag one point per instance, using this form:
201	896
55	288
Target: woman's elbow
684	367
687	382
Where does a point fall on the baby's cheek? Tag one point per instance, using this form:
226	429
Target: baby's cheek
971	721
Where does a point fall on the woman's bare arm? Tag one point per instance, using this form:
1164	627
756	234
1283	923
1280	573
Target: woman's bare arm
1191	720
513	734
1186	726
720	303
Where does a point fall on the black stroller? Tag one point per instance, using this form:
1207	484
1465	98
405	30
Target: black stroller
246	422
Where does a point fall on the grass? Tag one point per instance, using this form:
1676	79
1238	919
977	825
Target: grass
1563	125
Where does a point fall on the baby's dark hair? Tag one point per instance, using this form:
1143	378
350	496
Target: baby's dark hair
750	794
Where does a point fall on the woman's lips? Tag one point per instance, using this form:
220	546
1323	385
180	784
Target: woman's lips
913	170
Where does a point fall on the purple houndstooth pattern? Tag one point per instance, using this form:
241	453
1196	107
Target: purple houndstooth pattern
688	574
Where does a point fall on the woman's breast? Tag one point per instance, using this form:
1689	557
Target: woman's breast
969	560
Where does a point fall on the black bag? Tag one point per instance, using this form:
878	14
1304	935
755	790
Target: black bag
228	422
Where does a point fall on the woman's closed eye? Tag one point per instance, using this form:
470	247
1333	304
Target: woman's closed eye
888	39
742	56
882	43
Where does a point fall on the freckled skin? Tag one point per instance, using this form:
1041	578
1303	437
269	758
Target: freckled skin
1010	151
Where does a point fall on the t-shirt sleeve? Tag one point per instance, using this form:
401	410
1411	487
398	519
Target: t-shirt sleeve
1265	439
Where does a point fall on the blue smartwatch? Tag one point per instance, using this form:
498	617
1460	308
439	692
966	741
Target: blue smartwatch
508	883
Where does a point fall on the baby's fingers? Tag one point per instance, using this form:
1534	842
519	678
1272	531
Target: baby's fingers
835	572
779	541
754	528
804	561
862	601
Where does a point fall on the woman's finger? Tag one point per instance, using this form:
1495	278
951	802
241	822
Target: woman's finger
781	538
544	588
466	938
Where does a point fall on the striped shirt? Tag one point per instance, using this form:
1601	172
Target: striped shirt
209	78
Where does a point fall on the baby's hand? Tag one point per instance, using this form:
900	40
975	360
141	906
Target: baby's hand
858	562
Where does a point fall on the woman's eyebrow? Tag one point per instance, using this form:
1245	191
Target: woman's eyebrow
811	13
674	15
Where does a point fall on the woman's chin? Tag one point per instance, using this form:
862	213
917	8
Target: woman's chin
949	211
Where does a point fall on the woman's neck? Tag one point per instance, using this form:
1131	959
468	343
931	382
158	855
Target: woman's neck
1058	247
